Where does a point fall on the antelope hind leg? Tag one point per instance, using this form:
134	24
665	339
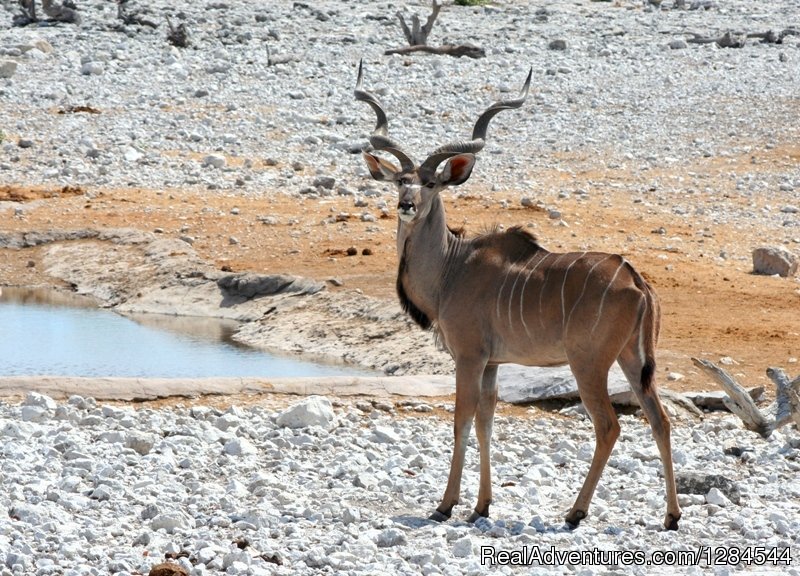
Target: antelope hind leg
660	425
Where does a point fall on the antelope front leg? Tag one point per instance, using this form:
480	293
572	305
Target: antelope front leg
468	378
483	429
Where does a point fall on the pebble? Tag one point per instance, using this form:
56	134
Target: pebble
7	68
214	160
92	68
716	497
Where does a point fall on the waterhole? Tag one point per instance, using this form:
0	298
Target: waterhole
46	332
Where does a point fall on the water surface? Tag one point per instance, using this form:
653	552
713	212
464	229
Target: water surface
51	333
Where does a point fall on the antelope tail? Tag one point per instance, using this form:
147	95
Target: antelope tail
649	327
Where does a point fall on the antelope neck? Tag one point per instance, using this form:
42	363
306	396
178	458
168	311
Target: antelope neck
427	251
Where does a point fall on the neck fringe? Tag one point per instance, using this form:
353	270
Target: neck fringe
406	303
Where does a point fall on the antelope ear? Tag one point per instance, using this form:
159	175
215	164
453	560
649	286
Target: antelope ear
381	169
457	170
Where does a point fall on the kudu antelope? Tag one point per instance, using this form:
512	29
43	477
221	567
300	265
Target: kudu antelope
501	297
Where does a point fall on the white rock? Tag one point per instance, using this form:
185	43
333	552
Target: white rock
646	454
313	411
462	548
131	154
227	421
36	399
17	561
171	521
385	435
239	447
390	537
92	68
142	443
34	414
214	160
7	68
716	497
773	260
365	480
350	515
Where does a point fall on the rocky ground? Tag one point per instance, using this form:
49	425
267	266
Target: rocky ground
314	488
143	174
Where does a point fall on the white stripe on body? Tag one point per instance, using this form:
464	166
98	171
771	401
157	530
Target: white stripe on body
522	297
513	287
642	356
544	283
563	284
583	290
500	293
605	293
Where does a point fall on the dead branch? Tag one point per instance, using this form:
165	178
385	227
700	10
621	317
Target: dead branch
29	6
417	38
458	50
418	35
64	12
28	14
129	18
727	40
770	37
739	39
788	397
178	35
739	401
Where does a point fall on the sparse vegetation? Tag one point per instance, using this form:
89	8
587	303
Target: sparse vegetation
471	2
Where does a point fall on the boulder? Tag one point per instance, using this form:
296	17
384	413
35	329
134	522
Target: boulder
312	411
713	400
524	384
253	285
699	483
771	260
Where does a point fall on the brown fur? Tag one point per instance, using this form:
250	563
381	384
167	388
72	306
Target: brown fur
516	244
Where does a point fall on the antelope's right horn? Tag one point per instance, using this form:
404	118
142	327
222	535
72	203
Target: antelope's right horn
380	135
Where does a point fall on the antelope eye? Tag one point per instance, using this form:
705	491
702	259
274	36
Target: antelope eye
429	185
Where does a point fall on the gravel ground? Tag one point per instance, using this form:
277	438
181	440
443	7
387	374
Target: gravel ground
100	489
217	116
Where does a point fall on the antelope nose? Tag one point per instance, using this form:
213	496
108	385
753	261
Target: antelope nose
405	206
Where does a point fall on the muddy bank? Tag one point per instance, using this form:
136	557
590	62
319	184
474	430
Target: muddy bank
144	389
138	272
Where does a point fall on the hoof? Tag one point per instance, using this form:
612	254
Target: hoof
475	516
439	516
671	523
574	519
